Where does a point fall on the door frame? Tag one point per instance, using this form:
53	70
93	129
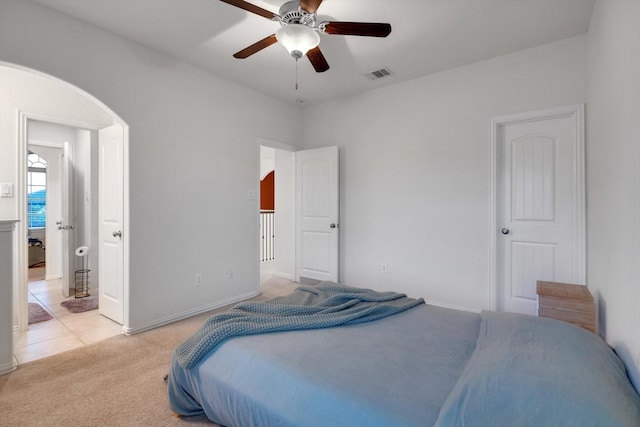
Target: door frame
20	249
576	113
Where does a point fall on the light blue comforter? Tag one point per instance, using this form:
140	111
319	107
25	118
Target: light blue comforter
428	366
325	305
535	372
396	371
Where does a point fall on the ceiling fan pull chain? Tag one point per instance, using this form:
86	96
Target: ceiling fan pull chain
296	74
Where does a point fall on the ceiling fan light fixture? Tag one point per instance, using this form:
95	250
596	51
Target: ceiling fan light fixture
298	39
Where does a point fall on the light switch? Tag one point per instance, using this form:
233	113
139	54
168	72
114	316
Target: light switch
251	195
6	189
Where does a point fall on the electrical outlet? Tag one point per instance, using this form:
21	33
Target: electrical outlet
383	268
230	273
199	279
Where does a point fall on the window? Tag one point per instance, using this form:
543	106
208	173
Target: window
36	191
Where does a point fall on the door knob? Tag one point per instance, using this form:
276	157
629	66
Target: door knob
505	231
117	234
333	225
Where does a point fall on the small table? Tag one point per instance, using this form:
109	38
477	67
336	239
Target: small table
568	302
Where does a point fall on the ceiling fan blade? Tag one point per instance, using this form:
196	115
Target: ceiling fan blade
370	29
310	6
317	59
250	8
256	47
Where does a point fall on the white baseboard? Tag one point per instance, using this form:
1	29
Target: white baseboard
454	307
184	315
5	368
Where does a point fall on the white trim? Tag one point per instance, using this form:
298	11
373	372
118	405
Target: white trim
575	111
60	121
8	362
580	202
8	224
8	367
275	144
20	254
186	314
493	215
126	267
45	143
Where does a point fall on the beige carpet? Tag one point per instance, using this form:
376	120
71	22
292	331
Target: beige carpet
115	382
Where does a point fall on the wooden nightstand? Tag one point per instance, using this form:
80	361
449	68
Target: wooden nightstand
564	301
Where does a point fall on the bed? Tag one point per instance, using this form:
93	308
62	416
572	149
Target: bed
420	366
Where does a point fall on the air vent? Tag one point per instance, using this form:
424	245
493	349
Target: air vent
378	74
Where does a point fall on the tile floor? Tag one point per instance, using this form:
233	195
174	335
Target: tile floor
65	331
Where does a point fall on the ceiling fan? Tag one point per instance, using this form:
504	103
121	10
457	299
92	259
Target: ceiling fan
300	34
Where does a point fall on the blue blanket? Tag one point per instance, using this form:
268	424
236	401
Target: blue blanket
325	305
531	371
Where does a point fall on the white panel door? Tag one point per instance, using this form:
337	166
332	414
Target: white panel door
66	223
110	217
317	214
540	189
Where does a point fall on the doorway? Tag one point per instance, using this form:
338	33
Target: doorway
306	214
59	103
538	192
277	210
67	215
60	315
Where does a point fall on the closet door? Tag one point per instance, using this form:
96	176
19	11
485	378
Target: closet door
540	204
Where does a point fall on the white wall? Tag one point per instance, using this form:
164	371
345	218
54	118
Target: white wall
267	161
415	168
192	157
613	174
34	94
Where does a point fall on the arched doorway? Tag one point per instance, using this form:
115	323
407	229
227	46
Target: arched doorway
34	96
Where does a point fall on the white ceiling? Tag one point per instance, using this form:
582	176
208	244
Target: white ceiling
428	36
